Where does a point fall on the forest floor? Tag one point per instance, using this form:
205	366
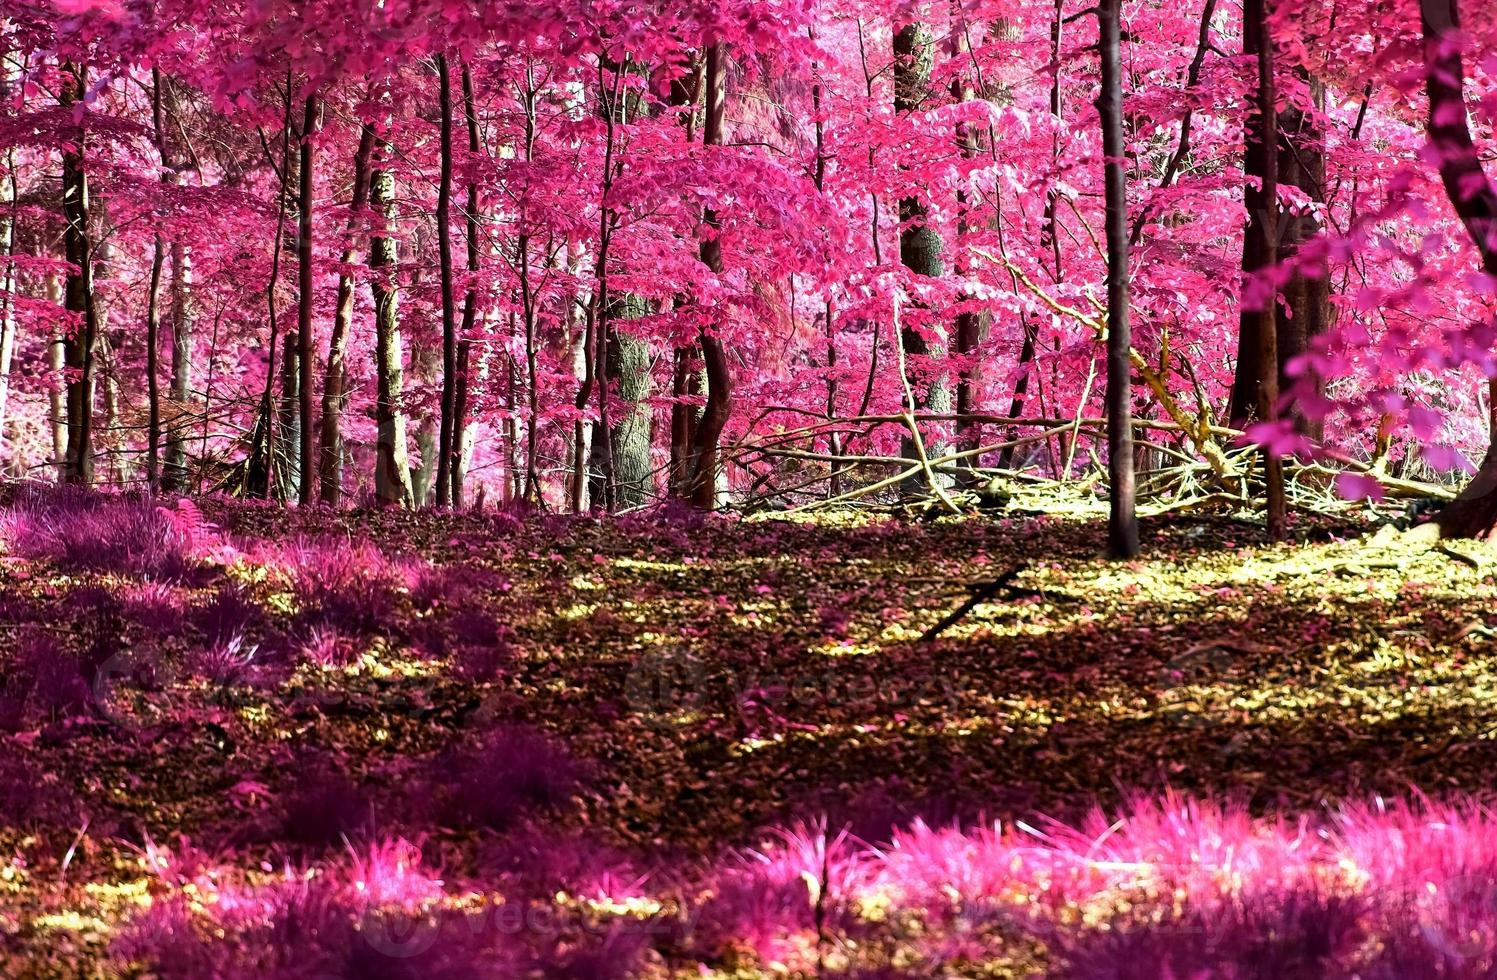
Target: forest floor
253	741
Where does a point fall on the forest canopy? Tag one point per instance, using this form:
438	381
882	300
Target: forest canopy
594	255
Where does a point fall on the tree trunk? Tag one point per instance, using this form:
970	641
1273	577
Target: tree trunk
919	244
1304	310
8	321
461	431
78	340
57	403
449	303
704	463
630	438
1122	526
306	296
1265	121
392	470
1473	514
330	436
290	414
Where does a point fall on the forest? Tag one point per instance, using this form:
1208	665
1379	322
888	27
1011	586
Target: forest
748	488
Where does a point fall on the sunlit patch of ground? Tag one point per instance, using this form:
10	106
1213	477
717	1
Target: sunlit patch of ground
708	682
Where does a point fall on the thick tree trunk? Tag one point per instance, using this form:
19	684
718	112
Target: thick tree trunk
330	436
704	463
1302	311
306	296
630	436
78	340
1123	520
1256	36
920	245
1304	308
1473	514
392	469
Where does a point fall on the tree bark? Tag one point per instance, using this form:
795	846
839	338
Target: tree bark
449	304
392	469
8	320
1302	311
330	436
78	342
704	464
630	436
290	413
1473	514
1257	40
461	432
1122	526
920	245
306	297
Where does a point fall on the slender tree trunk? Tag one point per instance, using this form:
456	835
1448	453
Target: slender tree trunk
173	473
449	303
392	469
307	295
8	323
704	453
290	414
686	382
78	342
1123	521
330	441
1473	514
261	473
180	395
57	402
968	322
461	431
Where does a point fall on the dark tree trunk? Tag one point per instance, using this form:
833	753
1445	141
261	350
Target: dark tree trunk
1473	514
1257	40
306	296
153	310
78	342
290	413
449	304
1123	522
460	397
704	463
1303	311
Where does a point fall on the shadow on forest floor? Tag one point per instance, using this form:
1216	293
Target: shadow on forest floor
272	684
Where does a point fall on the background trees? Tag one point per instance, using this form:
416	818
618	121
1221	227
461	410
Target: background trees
604	224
